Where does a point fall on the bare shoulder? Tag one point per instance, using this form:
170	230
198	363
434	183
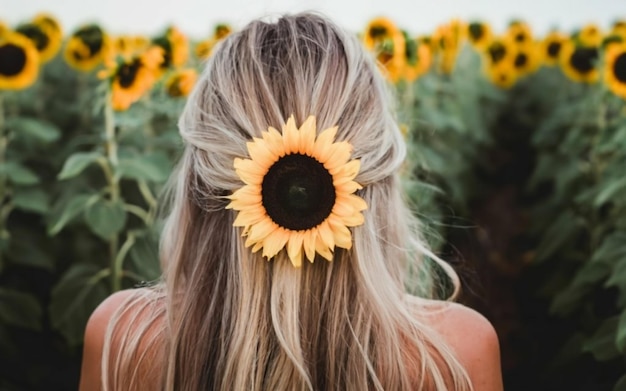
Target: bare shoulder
472	338
90	378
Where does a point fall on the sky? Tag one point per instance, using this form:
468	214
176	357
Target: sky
197	17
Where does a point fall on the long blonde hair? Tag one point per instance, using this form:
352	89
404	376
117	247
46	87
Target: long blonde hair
224	318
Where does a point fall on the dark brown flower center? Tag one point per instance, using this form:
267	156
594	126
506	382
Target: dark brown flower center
298	192
127	73
93	37
553	49
583	59
521	60
496	52
377	32
476	31
619	67
12	59
36	35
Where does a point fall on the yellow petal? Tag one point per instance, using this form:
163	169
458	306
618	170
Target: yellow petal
338	154
309	244
357	202
260	153
307	136
262	229
341	233
343	209
257	246
249	217
324	140
322	249
294	248
353	220
274	141
325	232
250	171
348	187
291	136
275	242
347	171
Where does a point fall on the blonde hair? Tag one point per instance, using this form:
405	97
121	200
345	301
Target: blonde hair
224	318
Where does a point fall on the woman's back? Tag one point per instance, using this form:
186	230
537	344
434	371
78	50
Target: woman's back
286	253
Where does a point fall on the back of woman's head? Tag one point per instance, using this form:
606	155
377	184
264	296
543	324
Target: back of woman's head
239	321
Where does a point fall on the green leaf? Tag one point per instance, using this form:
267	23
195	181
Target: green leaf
31	199
77	163
20	309
34	129
18	174
74	298
620	339
609	191
563	230
72	209
621	384
154	167
602	342
144	257
106	218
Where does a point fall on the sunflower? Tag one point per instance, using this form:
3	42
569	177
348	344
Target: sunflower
479	34
589	35
619	28
204	48
298	194
448	39
180	83
418	59
175	47
131	78
386	41
502	73
19	62
87	48
551	47
499	49
128	45
579	62
46	38
519	32
526	58
45	19
615	69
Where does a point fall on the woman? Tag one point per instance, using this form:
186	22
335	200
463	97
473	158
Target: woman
288	249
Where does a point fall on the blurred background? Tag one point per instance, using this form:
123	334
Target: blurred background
515	120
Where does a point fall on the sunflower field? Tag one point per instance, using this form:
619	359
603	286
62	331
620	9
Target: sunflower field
516	168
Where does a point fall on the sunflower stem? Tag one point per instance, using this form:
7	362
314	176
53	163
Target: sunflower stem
4	140
114	189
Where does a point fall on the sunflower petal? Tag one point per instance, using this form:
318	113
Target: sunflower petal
348	171
309	244
291	136
307	136
325	232
322	249
337	155
262	229
274	141
294	248
275	242
324	141
260	153
353	220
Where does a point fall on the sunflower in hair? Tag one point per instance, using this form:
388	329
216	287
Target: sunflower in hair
551	47
479	34
131	78
46	38
175	47
615	69
299	193
19	62
579	63
87	48
180	83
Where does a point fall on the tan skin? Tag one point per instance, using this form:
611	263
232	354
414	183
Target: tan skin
468	333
